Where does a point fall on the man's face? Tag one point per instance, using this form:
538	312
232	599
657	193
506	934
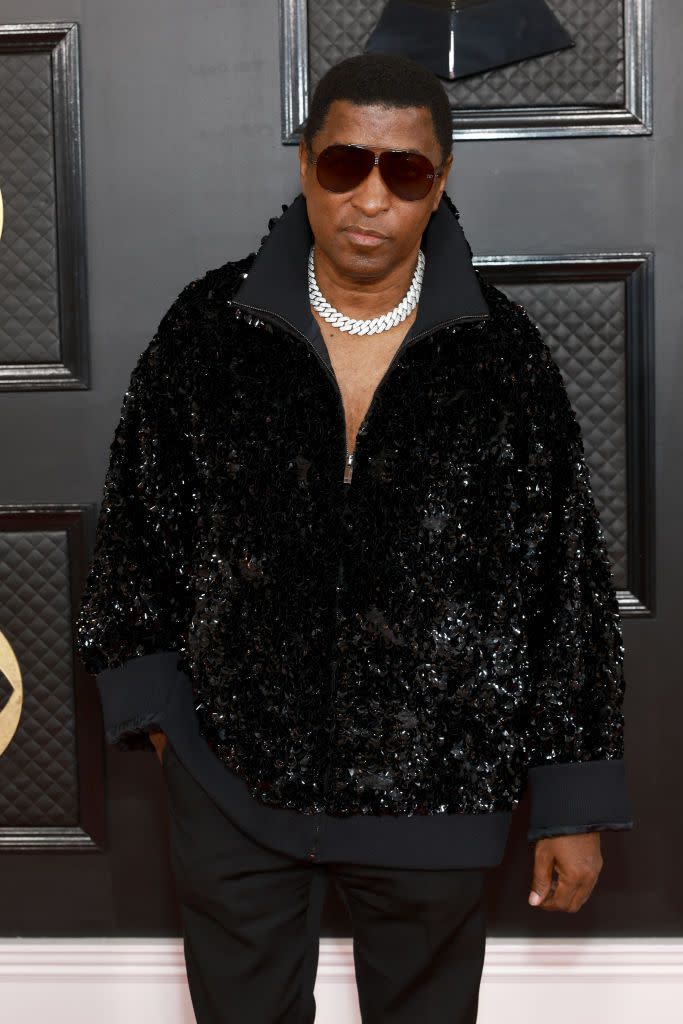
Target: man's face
371	205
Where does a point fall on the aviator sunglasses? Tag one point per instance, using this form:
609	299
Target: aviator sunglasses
409	176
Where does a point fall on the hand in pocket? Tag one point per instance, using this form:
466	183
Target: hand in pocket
159	739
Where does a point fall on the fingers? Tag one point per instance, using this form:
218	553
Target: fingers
564	896
543	873
570	894
577	862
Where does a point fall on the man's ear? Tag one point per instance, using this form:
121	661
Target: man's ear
303	163
448	163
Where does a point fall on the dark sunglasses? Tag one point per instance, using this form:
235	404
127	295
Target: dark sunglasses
341	168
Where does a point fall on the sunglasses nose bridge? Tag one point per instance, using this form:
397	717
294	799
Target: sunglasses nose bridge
371	167
372	182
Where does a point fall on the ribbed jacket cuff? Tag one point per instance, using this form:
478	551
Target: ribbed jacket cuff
578	796
134	698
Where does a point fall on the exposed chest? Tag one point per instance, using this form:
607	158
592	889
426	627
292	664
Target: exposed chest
359	364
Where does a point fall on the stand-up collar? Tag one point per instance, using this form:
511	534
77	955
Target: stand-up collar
277	281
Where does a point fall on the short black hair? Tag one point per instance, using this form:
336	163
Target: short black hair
385	79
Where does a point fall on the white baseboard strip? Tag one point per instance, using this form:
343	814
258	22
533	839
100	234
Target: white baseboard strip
119	981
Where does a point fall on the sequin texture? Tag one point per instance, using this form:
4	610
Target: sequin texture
410	643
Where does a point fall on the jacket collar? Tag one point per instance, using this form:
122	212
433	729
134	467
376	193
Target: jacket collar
277	281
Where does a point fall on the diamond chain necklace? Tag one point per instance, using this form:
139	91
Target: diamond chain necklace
375	325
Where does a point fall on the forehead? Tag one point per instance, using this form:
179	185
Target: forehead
379	127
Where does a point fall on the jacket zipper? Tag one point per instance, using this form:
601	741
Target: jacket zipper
349	456
333	682
314	849
348	468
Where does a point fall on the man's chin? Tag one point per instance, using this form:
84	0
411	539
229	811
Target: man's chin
363	264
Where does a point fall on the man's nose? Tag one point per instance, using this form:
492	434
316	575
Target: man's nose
372	195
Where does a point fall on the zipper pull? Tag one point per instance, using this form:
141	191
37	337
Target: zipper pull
348	468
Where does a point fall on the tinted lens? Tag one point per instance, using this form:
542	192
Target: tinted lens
342	168
408	175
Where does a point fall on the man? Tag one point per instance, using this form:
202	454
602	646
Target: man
348	561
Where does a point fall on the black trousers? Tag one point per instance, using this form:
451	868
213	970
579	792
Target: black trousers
250	918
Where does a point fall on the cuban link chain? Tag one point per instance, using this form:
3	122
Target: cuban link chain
377	324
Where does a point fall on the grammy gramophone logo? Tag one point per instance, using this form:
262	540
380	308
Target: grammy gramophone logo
10	711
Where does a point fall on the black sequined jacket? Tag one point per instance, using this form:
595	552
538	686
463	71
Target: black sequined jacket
425	637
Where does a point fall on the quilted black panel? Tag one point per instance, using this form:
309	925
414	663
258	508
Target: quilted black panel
29	298
584	324
38	770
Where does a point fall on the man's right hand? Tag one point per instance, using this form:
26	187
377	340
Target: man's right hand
159	739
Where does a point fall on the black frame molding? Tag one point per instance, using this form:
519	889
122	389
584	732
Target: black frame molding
636	270
72	372
634	118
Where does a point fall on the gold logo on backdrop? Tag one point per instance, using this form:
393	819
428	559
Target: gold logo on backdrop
11	712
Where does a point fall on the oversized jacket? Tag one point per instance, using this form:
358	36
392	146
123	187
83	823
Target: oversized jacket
422	629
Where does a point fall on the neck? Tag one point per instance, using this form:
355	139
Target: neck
362	296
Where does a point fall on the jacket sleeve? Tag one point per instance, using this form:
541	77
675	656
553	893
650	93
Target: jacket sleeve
574	722
135	604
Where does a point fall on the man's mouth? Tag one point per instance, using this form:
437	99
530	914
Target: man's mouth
364	236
